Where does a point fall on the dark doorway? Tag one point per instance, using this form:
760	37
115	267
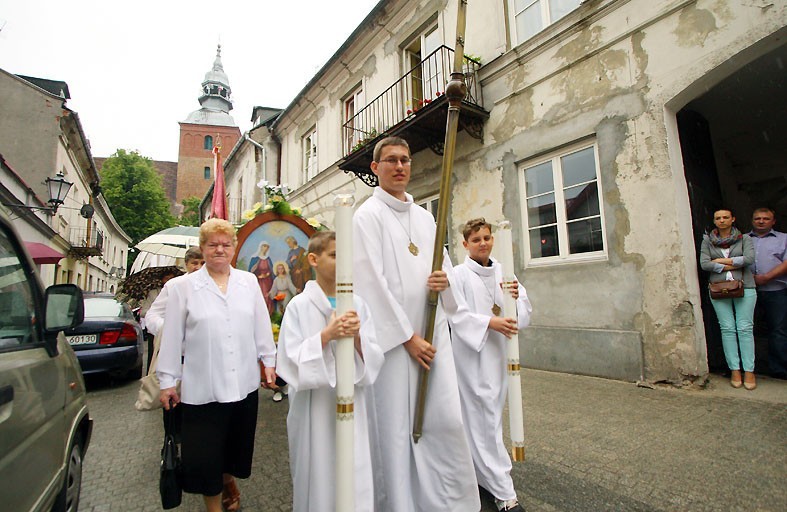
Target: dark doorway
705	197
734	148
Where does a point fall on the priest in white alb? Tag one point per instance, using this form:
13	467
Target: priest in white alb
394	240
480	356
307	361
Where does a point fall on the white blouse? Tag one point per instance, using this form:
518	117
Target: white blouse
221	337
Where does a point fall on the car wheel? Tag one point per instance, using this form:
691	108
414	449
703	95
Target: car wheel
68	499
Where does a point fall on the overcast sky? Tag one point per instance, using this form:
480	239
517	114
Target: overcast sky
134	69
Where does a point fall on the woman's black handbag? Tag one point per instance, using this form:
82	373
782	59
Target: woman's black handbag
169	482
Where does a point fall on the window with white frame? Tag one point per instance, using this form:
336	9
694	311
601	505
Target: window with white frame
562	213
309	143
529	17
354	130
430	204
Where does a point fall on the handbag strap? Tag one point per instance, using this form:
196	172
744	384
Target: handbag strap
154	358
169	421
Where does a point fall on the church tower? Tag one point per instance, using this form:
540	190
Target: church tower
211	124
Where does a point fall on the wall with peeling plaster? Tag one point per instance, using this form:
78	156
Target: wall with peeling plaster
612	72
608	76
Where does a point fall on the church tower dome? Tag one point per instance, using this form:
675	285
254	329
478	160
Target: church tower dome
209	126
214	97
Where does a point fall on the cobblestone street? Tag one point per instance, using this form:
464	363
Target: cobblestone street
592	445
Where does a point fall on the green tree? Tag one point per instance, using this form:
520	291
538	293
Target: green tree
134	193
190	215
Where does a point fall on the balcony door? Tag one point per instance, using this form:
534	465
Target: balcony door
354	123
427	76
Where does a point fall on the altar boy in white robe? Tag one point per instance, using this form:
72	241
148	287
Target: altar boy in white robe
480	357
394	240
306	360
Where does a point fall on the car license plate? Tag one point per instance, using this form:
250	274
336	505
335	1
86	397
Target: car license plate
82	339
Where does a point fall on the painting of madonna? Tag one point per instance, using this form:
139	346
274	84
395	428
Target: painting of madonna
262	267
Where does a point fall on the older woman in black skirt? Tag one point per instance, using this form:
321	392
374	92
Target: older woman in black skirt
217	319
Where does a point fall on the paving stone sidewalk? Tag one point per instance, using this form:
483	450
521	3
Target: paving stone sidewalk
592	445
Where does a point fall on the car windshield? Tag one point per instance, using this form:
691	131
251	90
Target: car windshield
102	307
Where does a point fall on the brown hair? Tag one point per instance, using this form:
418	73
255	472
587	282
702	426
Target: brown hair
216	226
318	243
473	225
193	253
764	209
388	141
722	209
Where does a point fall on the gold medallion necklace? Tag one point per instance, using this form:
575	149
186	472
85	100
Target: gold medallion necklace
412	247
496	310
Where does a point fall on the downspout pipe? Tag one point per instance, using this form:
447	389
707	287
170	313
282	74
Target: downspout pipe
261	148
246	137
278	153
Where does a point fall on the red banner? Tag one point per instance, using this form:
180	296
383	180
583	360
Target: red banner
219	205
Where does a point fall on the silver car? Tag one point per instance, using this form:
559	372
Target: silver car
45	427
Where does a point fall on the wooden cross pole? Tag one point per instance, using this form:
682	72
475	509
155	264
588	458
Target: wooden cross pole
455	91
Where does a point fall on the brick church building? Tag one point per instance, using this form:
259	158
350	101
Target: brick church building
210	125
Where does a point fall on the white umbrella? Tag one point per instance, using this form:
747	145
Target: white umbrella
179	236
148	259
162	249
167	247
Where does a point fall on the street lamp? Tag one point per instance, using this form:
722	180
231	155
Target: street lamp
58	190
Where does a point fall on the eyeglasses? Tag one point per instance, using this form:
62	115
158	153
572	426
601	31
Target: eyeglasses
405	161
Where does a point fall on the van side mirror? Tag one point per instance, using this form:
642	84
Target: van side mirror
65	307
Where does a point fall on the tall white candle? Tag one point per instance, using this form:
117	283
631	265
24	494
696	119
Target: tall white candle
505	247
345	357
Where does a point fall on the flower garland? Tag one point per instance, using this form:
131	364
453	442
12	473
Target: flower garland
275	200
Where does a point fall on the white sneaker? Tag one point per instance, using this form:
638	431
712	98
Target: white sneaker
508	505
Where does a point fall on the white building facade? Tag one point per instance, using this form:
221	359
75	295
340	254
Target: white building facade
606	130
42	136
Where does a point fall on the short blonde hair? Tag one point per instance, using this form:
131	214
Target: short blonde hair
216	226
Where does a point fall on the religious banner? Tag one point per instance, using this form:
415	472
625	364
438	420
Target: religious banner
218	209
272	245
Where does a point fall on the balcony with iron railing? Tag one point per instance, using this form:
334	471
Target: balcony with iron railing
414	108
85	242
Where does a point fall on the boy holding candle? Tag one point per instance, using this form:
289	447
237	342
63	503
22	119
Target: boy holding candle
480	357
306	360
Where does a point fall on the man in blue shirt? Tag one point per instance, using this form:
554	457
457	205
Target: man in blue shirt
770	275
